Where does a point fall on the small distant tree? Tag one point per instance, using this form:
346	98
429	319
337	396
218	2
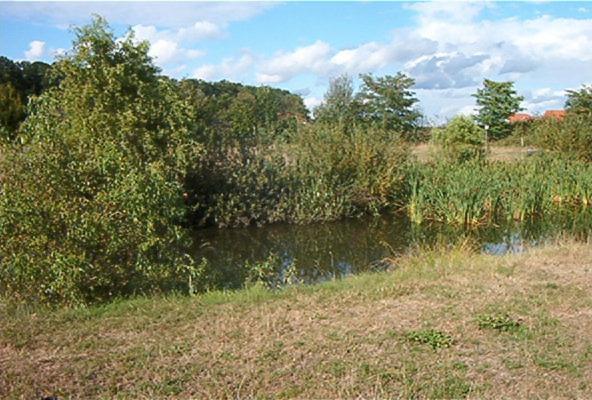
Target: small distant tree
580	101
389	102
498	101
338	104
461	140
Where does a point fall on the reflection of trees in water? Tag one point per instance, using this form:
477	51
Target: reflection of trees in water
318	251
311	253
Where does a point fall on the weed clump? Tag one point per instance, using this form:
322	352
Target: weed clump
434	338
498	322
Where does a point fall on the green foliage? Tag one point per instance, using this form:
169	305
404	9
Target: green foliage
12	111
434	338
229	114
19	81
498	101
389	103
461	140
338	106
91	202
569	137
498	322
477	193
580	101
320	173
323	173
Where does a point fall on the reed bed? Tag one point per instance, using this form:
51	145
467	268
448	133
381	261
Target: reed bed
479	193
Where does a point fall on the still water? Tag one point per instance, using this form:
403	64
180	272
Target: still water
319	252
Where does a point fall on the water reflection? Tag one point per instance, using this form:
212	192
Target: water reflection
313	253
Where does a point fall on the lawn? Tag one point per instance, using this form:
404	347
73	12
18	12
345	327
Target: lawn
442	324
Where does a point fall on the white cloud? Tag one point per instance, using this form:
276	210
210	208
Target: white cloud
229	68
285	65
538	100
36	50
168	45
166	51
199	31
445	70
311	102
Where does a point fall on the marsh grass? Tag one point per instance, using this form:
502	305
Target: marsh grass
482	193
341	339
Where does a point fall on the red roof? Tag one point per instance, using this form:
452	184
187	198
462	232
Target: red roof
520	117
557	114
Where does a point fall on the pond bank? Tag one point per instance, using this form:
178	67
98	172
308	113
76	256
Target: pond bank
443	324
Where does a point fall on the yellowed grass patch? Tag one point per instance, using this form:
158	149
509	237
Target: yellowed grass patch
345	339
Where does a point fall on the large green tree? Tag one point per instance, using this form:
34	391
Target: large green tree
580	101
497	102
91	202
389	102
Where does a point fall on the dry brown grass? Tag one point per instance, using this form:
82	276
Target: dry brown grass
346	339
425	152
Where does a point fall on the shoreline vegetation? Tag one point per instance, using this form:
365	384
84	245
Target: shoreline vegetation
111	165
442	324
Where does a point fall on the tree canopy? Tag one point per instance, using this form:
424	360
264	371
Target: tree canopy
497	101
389	102
580	101
338	104
91	202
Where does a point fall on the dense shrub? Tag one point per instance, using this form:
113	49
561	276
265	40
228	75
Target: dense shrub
461	140
91	201
571	136
319	173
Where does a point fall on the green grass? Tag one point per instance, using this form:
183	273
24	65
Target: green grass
447	324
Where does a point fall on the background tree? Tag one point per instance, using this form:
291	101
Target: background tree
91	203
19	81
224	112
389	103
338	103
580	101
498	101
12	111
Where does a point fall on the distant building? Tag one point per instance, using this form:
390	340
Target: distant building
520	117
557	114
524	117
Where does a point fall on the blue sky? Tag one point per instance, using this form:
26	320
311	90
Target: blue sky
447	47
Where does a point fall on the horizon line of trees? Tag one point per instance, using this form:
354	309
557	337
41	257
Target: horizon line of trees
248	111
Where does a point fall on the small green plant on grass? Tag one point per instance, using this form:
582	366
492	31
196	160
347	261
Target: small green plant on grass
434	338
498	322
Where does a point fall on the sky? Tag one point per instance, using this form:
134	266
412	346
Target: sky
447	47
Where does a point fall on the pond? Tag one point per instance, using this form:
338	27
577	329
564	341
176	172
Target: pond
281	253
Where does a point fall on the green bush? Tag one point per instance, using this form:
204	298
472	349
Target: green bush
320	173
91	202
570	137
461	140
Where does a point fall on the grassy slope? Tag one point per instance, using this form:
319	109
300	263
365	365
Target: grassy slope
441	325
